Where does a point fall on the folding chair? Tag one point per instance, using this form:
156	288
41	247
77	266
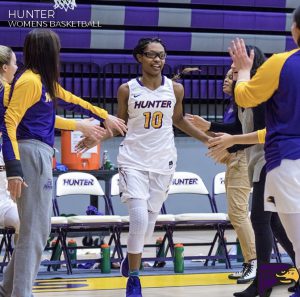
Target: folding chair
218	188
116	192
163	220
6	245
191	183
6	240
80	183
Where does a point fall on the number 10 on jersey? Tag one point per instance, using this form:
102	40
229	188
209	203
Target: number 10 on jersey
153	119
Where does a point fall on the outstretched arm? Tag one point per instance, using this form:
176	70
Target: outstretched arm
206	126
250	93
123	94
222	141
86	126
71	102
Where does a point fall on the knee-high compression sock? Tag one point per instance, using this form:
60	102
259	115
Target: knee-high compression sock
138	223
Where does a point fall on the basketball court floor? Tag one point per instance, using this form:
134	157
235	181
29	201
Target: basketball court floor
197	280
161	286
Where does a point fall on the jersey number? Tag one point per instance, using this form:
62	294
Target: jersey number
155	119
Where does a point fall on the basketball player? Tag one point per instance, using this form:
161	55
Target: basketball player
8	210
150	105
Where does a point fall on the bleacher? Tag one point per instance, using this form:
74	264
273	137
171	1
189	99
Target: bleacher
197	33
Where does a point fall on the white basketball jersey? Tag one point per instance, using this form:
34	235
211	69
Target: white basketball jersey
149	143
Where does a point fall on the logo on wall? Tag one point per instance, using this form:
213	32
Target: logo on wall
274	274
65	4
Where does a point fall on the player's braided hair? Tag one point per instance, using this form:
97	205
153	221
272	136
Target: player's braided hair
296	18
143	43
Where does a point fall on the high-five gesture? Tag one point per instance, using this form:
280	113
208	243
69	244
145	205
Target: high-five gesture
240	58
198	122
113	123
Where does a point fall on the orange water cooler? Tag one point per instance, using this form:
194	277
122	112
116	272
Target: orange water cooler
90	160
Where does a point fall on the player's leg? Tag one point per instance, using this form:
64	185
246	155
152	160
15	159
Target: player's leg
138	216
262	230
281	235
159	187
35	208
11	219
6	286
134	189
289	221
238	192
283	190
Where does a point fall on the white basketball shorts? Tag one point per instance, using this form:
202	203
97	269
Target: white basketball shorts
282	189
145	185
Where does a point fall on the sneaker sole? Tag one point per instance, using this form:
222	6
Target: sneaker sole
245	281
233	277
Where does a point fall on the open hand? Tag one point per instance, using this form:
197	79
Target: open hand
89	129
113	123
198	122
219	155
86	143
239	55
15	187
221	141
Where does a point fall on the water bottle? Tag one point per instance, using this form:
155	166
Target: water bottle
72	251
105	258
56	254
108	165
104	159
179	258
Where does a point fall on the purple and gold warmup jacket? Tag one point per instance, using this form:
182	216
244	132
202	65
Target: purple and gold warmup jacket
30	114
277	82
